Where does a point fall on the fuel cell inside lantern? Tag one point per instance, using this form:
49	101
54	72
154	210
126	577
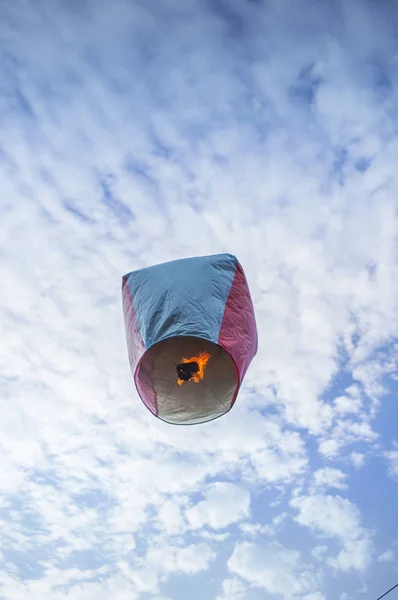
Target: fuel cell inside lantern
186	370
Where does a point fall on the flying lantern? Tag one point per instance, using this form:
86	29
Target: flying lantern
191	335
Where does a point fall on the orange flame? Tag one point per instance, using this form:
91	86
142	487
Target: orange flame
202	359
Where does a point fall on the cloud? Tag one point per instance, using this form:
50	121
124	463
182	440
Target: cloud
351	402
117	586
358	459
355	555
170	517
344	433
392	457
232	589
332	515
330	478
386	557
319	552
274	452
253	529
272	567
189	559
337	517
224	503
145	581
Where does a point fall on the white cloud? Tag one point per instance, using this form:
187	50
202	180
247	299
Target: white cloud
319	552
358	459
356	555
190	559
351	402
392	457
254	529
232	589
248	441
337	517
212	535
329	477
170	516
331	515
224	503
346	432
386	557
276	569
145	581
116	587
283	463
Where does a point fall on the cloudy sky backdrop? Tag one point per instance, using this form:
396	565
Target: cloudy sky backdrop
138	131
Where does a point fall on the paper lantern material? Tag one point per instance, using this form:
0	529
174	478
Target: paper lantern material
191	335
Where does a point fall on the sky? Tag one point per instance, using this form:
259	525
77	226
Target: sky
136	132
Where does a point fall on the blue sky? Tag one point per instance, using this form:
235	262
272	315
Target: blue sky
137	132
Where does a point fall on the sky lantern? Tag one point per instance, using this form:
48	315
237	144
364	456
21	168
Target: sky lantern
191	335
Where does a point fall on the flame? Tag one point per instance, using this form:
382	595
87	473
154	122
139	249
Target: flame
202	359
